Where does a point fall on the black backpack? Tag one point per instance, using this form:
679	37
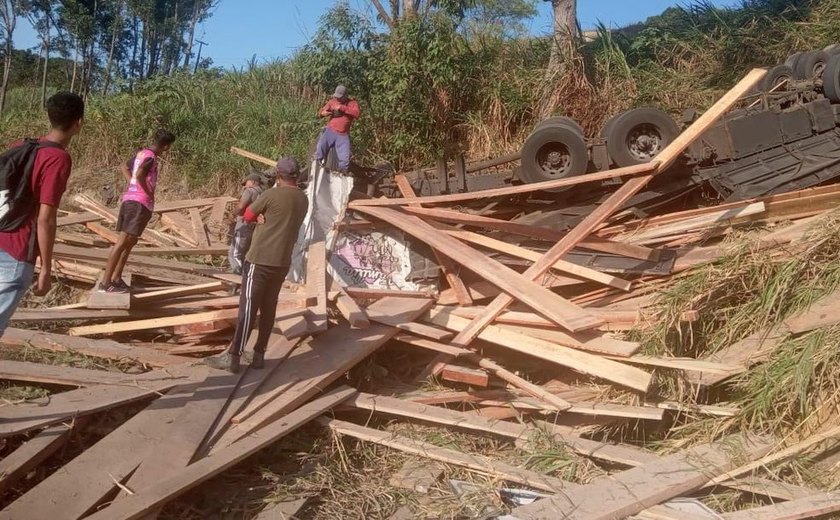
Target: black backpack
17	202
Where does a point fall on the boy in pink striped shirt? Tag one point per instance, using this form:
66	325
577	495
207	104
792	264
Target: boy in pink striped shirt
138	203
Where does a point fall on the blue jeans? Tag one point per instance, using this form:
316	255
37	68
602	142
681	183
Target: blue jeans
15	279
332	139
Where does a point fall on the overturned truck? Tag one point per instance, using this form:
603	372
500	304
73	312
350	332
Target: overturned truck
784	137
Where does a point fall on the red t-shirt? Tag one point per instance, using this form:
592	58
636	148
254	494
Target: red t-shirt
341	124
49	180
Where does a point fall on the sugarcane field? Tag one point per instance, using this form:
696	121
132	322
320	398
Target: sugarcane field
420	259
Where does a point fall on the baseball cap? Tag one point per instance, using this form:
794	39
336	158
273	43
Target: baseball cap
340	92
287	167
256	177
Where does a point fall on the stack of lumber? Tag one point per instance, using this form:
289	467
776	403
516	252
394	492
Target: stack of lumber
529	322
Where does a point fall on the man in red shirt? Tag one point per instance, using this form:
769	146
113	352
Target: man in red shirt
20	248
341	111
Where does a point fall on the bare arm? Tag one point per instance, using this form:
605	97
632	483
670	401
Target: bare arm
326	110
46	239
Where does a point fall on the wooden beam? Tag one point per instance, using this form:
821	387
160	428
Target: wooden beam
175	292
85	481
252	156
170	321
583	362
375	294
32	414
175	484
478	463
814	506
347	306
325	359
30	454
539	298
469	376
316	284
105	349
526	254
494	368
632	491
27	372
629	171
198	228
446	264
591	222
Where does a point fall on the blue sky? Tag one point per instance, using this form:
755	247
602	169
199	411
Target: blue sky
241	29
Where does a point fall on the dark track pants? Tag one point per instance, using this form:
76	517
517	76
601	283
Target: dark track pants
260	291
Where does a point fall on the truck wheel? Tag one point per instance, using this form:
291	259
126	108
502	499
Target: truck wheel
560	120
638	135
792	59
553	152
775	77
810	65
605	130
832	49
831	79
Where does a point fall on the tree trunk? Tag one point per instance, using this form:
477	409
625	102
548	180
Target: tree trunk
143	45
7	70
191	34
46	61
117	28
135	37
564	36
75	64
408	9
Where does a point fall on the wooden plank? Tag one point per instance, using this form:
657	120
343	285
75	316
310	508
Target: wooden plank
526	254
152	497
494	368
470	376
252	156
591	342
47	315
15	466
177	449
316	284
420	329
263	399
286	510
591	222
23	371
351	311
632	491
77	218
715	219
178	205
198	228
181	251
375	294
325	359
535	296
181	226
79	485
110	236
629	171
175	292
105	349
34	414
98	256
810	507
477	463
103	300
250	387
169	321
447	266
580	361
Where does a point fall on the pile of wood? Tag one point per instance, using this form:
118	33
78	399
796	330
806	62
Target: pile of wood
522	300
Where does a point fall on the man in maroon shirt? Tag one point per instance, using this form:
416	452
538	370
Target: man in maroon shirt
342	111
20	248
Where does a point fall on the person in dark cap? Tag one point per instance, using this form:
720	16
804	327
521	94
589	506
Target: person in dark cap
242	231
280	212
341	111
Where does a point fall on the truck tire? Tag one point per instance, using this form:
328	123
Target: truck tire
560	120
553	152
832	49
792	59
774	77
831	79
605	130
638	135
810	65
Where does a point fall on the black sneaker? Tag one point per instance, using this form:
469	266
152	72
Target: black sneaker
226	361
110	288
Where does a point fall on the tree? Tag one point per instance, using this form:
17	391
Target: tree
9	11
562	49
40	15
503	18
